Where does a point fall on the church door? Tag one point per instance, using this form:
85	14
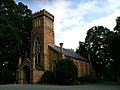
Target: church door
26	75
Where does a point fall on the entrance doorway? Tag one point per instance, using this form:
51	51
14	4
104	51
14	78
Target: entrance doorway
26	74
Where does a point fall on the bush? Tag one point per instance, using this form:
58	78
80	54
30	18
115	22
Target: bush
47	77
87	79
66	72
6	77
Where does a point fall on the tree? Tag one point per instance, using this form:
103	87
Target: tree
113	41
103	48
113	48
81	50
66	72
117	27
95	46
116	49
15	28
25	28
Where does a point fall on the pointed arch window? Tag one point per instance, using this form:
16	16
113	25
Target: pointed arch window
38	51
37	46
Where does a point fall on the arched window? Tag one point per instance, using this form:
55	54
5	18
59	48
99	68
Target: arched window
37	22
37	51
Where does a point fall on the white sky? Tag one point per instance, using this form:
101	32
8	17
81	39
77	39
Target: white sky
73	18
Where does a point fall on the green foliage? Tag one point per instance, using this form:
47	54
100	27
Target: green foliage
103	47
81	50
95	46
66	72
6	77
47	77
15	29
117	27
87	79
113	48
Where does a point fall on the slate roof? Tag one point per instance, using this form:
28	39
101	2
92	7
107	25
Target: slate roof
68	53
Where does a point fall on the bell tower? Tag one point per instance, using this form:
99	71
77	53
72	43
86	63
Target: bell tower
42	35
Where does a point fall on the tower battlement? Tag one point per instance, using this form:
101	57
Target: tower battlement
41	13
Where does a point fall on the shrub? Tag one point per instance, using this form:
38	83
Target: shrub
66	72
47	77
87	79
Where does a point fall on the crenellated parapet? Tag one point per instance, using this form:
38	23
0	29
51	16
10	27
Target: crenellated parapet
41	13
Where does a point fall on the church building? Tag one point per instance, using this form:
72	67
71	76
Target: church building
44	53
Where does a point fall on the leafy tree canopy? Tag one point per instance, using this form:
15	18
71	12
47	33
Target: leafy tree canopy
103	48
15	29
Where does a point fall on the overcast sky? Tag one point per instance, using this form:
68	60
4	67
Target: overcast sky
73	18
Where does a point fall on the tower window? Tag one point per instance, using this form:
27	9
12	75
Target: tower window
37	23
39	58
37	51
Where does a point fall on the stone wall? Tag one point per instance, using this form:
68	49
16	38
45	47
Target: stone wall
53	57
43	27
37	74
83	67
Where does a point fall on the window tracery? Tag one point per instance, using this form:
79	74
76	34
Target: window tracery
38	51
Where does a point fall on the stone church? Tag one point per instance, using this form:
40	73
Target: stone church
44	53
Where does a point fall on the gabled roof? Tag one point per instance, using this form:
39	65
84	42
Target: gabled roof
68	53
